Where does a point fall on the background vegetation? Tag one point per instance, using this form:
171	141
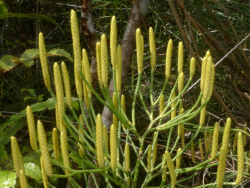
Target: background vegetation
217	25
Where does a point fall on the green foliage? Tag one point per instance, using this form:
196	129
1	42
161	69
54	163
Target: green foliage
3	8
3	155
30	16
16	122
9	62
7	179
33	171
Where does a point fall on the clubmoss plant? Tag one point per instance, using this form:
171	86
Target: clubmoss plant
122	154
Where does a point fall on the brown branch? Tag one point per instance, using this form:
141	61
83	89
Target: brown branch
128	45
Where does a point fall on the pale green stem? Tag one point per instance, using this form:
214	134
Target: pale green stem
135	96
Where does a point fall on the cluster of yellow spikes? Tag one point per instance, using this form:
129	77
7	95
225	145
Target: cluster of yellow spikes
103	143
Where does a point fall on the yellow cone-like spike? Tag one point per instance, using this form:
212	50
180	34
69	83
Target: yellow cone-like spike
31	128
80	143
127	160
66	82
152	48
77	52
44	63
207	84
180	57
192	67
171	168
139	51
16	156
149	158
155	147
113	41
86	69
115	119
203	114
104	60
180	82
123	103
64	150
127	157
99	141
87	75
23	180
106	138
119	69
203	73
211	90
99	63
208	54
59	93
173	113
221	167
240	157
178	159
226	134
215	141
161	104
164	169
44	148
142	50
168	59
113	147
44	175
57	117
55	140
